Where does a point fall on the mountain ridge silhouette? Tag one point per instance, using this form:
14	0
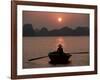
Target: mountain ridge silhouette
28	30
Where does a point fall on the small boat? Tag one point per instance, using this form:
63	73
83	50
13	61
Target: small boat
56	58
59	57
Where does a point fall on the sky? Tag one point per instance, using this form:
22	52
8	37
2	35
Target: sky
55	20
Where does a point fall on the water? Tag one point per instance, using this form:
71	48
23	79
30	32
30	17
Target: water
40	46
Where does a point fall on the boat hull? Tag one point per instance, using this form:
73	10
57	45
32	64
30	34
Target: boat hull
56	58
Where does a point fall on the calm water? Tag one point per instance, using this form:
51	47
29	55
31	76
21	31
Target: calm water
40	46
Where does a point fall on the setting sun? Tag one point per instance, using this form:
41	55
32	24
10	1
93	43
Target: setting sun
59	19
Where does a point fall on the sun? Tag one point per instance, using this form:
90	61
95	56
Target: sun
59	19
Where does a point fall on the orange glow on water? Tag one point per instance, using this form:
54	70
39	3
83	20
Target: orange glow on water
59	19
60	40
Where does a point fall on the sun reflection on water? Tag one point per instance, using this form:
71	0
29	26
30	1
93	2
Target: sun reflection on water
60	40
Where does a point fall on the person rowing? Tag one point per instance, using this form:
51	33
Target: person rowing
59	56
60	49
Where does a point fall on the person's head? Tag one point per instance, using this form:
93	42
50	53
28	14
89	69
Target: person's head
59	45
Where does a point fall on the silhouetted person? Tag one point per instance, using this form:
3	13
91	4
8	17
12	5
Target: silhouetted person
60	49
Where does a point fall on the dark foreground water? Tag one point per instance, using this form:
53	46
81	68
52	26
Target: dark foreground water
34	47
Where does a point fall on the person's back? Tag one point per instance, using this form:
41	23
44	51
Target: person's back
60	49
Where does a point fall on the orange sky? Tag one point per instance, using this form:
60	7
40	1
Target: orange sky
50	19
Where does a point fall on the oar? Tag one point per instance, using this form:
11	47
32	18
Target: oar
37	58
47	56
77	52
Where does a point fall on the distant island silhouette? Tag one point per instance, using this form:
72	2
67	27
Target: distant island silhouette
28	30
